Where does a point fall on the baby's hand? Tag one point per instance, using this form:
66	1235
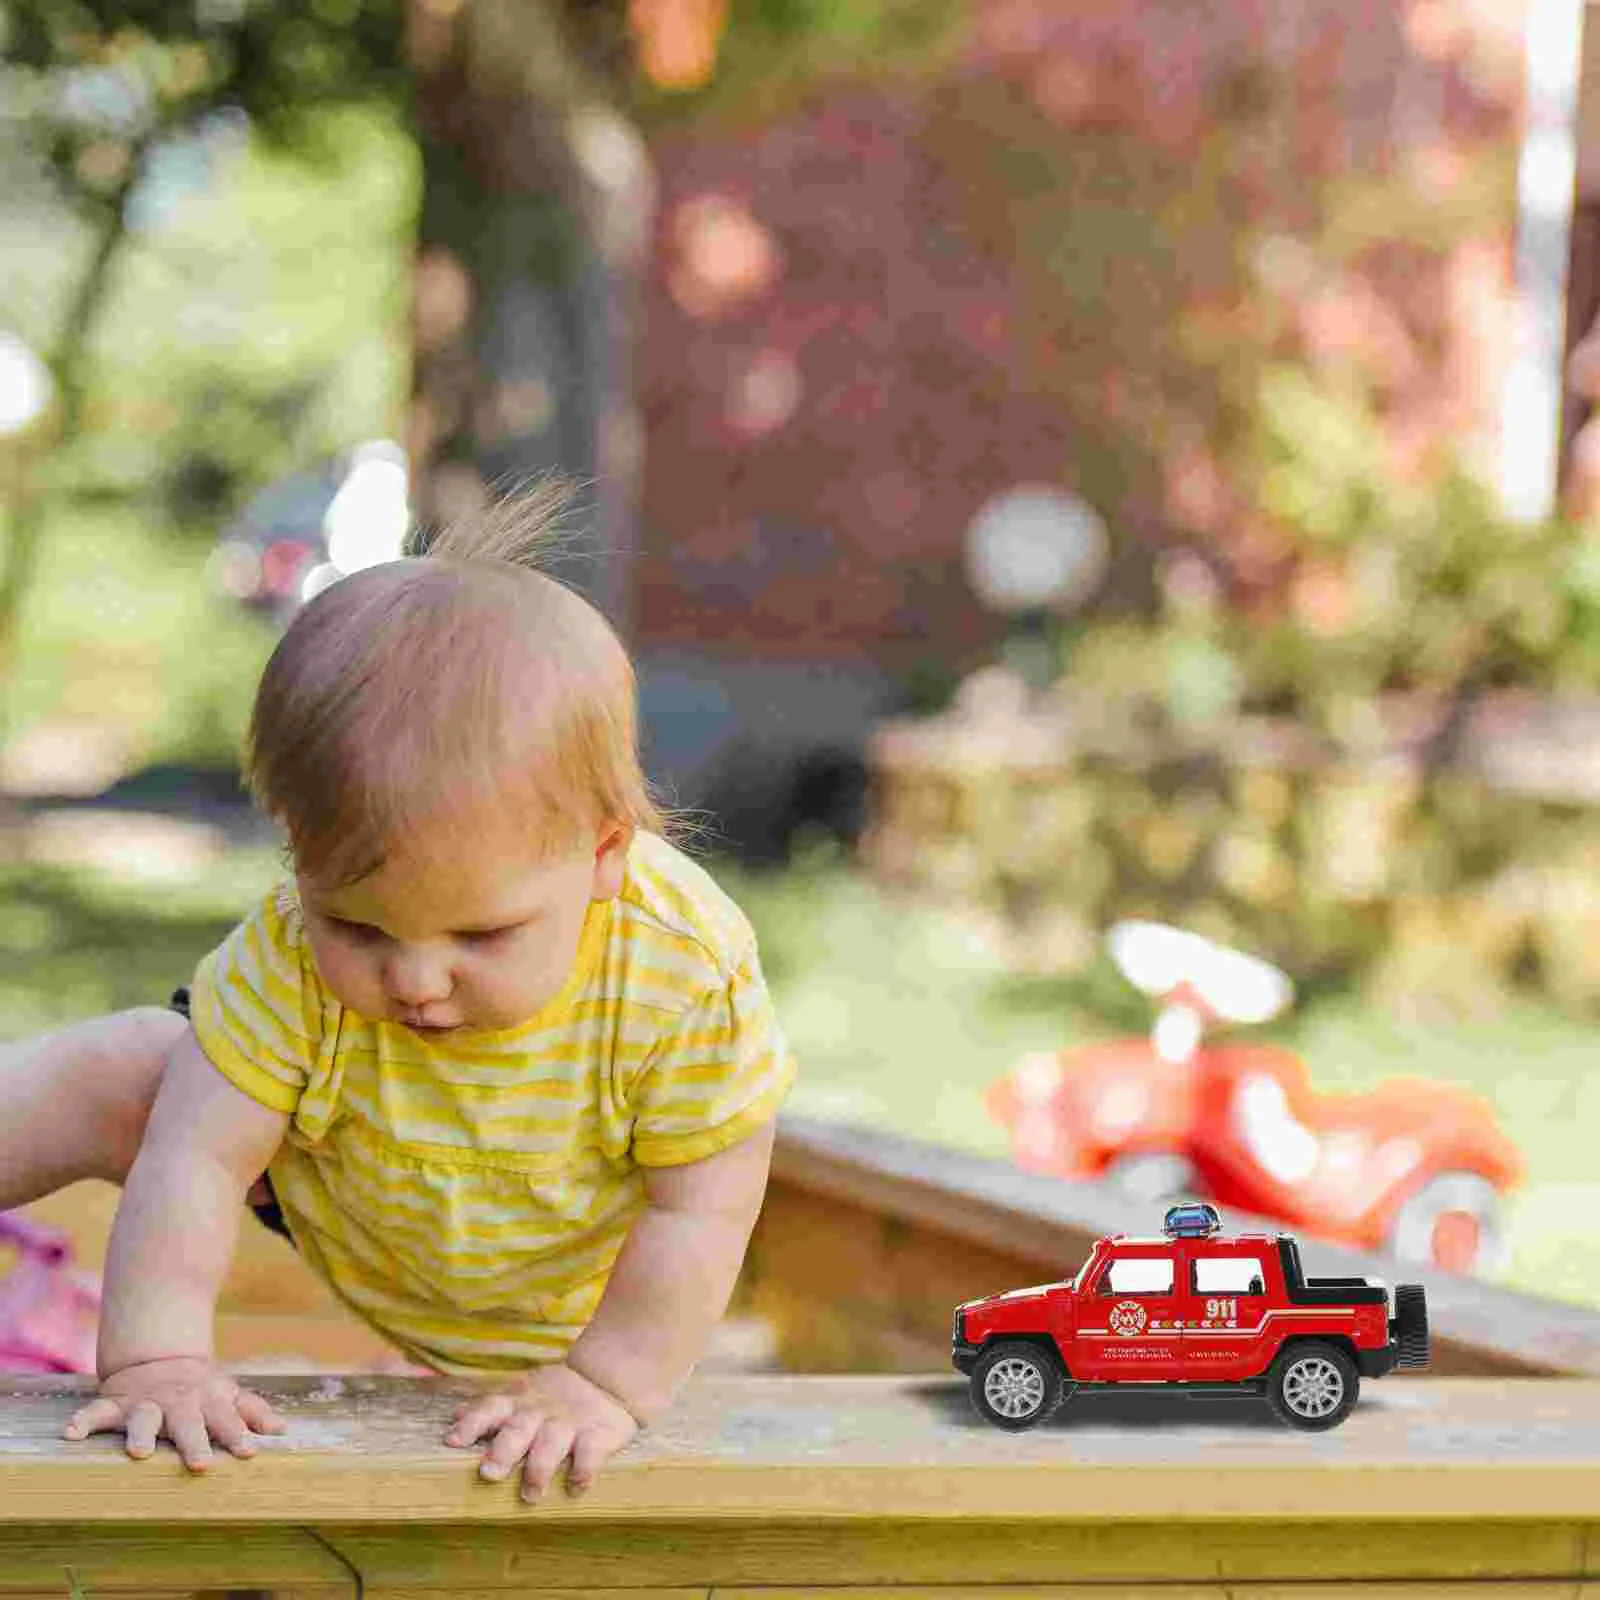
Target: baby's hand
186	1399
547	1416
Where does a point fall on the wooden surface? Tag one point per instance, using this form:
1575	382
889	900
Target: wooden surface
808	1486
869	1239
368	1449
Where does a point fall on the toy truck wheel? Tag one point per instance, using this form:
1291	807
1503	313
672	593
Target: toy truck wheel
1313	1385
1410	1327
1015	1385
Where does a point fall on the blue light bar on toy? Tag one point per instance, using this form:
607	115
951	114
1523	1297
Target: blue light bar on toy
1192	1220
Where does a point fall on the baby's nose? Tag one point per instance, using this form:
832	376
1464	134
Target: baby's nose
415	978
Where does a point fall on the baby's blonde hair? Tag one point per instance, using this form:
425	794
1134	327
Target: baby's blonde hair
410	702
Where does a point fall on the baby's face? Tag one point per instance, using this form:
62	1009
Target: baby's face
470	944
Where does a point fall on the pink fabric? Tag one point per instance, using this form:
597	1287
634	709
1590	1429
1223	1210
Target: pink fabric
49	1310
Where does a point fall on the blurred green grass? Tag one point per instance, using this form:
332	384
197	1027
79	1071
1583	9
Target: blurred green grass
123	634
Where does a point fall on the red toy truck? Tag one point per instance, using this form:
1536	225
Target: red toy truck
1194	1311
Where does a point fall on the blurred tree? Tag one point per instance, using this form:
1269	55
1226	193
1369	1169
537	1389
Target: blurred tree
536	216
538	201
97	90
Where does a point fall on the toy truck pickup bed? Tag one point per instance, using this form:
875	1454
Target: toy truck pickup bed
1193	1311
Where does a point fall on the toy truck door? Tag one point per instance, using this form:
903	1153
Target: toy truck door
1227	1333
1127	1319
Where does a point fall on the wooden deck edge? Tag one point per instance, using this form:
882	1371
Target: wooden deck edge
1477	1327
847	1451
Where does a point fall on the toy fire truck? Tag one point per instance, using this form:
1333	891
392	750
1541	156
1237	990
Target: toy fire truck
1195	1311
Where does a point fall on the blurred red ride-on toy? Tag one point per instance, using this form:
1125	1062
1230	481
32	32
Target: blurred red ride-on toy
49	1310
1414	1167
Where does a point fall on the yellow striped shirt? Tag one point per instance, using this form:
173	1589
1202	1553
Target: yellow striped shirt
467	1195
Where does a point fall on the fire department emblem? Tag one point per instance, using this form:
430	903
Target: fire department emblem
1127	1318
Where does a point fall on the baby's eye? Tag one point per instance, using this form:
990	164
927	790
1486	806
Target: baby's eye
484	936
357	932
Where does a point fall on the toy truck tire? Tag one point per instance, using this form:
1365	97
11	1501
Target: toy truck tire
1410	1331
1313	1385
1015	1384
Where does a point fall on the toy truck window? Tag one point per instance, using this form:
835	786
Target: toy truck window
1228	1275
1137	1275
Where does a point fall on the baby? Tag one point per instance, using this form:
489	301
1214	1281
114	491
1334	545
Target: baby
501	1056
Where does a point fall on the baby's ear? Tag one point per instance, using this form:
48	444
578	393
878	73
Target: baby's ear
611	861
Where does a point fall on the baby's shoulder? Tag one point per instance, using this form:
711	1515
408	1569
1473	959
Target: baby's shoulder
671	906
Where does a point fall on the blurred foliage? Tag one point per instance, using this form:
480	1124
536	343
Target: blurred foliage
1297	778
77	942
1263	344
92	84
116	658
258	322
776	55
222	362
1399	588
118	114
103	103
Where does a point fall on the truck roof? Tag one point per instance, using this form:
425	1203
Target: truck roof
1209	1240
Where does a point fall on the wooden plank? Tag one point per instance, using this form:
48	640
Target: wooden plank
157	1558
1180	1591
1043	1227
445	1562
996	1591
524	1592
1409	1591
971	1552
369	1448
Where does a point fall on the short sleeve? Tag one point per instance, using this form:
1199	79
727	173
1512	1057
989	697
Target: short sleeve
717	1074
256	1005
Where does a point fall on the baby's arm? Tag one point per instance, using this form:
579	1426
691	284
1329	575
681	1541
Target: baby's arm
175	1232
669	1287
674	1275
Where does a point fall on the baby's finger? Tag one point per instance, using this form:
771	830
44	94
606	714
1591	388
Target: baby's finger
101	1415
590	1451
481	1417
511	1443
549	1450
186	1428
258	1413
144	1427
228	1429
